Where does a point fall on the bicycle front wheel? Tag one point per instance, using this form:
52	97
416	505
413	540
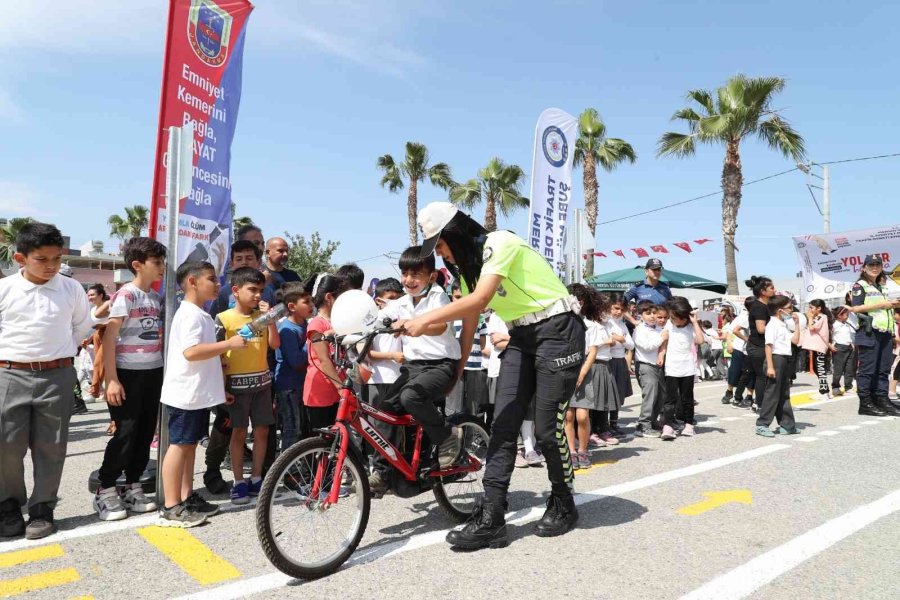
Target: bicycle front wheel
301	534
456	494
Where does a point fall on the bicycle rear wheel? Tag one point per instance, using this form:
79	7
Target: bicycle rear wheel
456	494
302	535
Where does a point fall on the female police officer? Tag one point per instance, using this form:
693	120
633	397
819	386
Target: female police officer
874	338
540	364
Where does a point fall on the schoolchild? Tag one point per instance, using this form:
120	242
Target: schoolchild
585	397
681	335
776	401
844	362
648	366
618	362
291	362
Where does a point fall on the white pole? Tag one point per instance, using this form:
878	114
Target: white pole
579	257
826	199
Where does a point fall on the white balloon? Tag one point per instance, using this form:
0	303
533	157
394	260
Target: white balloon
354	312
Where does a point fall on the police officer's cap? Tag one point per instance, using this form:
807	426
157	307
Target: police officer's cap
873	259
653	263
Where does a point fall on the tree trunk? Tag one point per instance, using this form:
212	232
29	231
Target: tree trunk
412	208
589	179
490	214
732	181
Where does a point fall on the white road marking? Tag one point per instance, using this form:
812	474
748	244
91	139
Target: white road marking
869	422
765	568
731	419
707	423
749	415
849	427
829	432
806	439
262	583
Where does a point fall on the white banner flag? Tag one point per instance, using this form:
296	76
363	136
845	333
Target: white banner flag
832	262
551	183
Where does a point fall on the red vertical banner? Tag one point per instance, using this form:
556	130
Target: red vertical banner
201	85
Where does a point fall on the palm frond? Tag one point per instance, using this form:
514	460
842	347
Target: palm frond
689	115
416	163
440	176
676	144
613	152
780	136
467	195
759	90
391	179
509	201
704	99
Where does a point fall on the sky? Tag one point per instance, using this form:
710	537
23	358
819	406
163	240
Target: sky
330	85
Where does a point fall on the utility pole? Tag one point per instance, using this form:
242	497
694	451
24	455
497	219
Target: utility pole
826	200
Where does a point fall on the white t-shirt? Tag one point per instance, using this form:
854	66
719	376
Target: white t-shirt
778	336
192	384
426	347
618	326
680	361
495	325
385	370
647	341
742	324
597	334
843	332
712	338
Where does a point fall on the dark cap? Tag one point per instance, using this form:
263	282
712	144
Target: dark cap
873	259
653	263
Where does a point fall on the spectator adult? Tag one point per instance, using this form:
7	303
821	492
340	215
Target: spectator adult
253	234
353	274
275	268
651	289
763	290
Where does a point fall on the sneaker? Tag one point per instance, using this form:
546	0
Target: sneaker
135	501
584	460
12	524
215	484
108	505
197	504
688	430
745	403
617	431
521	463
784	431
765	432
253	488
40	526
754	407
534	459
449	449
726	399
240	493
825	396
180	515
204	441
648	432
377	485
80	410
836	392
595	441
609	438
667	433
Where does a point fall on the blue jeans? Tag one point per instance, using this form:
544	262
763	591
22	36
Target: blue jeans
288	403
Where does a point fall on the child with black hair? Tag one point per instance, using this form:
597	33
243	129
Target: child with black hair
608	400
680	334
816	338
291	362
244	253
739	372
353	274
248	378
321	389
776	401
133	368
648	367
42	314
618	363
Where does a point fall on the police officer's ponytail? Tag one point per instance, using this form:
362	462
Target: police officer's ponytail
466	239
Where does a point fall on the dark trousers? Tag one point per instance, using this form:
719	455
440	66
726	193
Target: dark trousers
680	394
219	439
756	360
541	362
843	366
420	384
375	394
776	401
652	382
129	448
875	365
321	417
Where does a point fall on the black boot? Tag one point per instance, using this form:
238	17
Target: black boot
884	404
867	408
12	524
486	528
560	516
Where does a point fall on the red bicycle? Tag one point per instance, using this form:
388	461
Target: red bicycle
314	504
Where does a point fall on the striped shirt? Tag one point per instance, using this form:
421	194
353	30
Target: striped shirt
475	360
139	345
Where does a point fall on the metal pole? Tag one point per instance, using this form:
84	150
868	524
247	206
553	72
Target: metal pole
579	252
826	199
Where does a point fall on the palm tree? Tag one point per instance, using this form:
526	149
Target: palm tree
497	185
592	148
238	222
137	219
8	234
740	108
415	169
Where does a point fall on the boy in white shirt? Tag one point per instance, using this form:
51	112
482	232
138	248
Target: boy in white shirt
42	314
192	385
844	361
431	361
648	368
776	401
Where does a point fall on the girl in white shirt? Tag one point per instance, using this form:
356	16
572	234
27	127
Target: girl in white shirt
776	402
618	364
682	334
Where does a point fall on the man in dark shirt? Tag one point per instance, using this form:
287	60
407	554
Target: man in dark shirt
275	269
651	289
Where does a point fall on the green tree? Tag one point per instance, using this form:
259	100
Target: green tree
414	168
135	221
238	222
497	185
310	256
593	148
740	108
8	235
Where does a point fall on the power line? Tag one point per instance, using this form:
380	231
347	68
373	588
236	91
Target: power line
761	179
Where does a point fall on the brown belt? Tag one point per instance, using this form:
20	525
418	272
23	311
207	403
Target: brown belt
48	365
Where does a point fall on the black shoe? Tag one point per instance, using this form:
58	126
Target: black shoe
560	516
12	524
884	404
215	484
745	403
726	399
486	528
198	504
80	409
867	408
40	523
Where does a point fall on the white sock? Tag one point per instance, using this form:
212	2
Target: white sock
255	479
527	432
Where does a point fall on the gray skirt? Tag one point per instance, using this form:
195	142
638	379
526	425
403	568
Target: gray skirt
605	389
584	396
619	368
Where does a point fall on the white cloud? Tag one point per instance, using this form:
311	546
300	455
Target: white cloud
21	200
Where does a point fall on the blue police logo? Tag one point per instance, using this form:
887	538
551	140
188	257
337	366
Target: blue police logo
556	148
209	29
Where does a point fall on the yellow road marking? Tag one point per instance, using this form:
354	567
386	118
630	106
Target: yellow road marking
40	581
190	554
598	465
21	557
715	500
82	598
804	398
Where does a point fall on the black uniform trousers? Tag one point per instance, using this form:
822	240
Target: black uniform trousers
875	365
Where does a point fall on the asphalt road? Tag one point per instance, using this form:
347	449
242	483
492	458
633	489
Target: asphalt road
727	514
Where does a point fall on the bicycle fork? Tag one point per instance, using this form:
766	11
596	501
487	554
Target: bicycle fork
336	456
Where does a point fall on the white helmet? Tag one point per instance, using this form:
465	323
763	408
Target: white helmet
354	312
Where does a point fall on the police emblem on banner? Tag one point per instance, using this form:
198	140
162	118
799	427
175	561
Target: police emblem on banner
209	29
556	148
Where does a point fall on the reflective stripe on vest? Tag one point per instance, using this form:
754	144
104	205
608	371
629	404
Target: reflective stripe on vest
881	319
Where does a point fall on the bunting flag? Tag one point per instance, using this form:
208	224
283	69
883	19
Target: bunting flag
619	253
600	254
684	246
703	241
659	248
641	253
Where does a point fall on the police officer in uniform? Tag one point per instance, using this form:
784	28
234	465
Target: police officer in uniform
541	362
651	288
874	338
